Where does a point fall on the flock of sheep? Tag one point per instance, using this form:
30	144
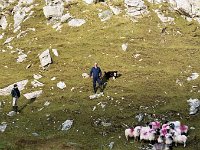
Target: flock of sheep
165	134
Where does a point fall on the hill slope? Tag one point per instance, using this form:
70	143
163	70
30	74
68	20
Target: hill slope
154	70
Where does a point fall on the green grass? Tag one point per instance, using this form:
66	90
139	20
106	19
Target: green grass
165	58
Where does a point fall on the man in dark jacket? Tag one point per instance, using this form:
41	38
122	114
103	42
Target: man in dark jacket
96	74
15	95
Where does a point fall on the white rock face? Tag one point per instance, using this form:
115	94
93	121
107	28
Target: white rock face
3	22
36	83
33	95
61	85
7	90
135	9
21	58
53	11
45	58
163	18
105	15
76	22
88	1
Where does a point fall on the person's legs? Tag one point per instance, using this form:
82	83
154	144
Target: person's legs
94	85
15	107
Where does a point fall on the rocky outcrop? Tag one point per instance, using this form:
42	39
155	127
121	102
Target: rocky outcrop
188	8
135	9
6	91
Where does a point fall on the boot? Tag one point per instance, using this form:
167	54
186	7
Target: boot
16	109
13	108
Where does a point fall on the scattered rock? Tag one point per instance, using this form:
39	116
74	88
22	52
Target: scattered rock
21	58
35	134
76	22
124	46
194	105
115	10
105	15
96	95
193	76
61	85
45	58
21	85
111	145
3	22
55	52
47	103
162	17
36	83
139	117
54	78
3	126
33	95
67	125
37	76
11	113
8	40
66	17
85	75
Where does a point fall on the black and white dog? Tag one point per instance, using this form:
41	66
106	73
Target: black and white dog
111	74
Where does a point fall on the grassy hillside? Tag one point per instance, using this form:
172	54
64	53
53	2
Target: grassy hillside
147	83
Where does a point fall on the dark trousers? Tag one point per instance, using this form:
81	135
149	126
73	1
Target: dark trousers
98	80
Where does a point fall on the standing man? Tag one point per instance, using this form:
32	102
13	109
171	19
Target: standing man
15	95
96	73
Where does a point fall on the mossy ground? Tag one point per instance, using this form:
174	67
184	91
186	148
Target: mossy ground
164	58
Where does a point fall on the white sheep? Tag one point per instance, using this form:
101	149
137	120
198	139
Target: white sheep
160	139
179	139
136	132
129	133
155	125
147	134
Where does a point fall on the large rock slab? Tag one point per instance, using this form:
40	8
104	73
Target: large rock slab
45	58
3	22
135	9
7	90
76	22
53	11
33	95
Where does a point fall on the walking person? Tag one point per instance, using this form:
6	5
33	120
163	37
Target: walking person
96	74
15	96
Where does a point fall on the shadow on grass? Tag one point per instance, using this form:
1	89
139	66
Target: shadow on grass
26	104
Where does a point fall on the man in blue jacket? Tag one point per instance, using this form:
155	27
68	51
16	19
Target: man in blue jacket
15	95
96	74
